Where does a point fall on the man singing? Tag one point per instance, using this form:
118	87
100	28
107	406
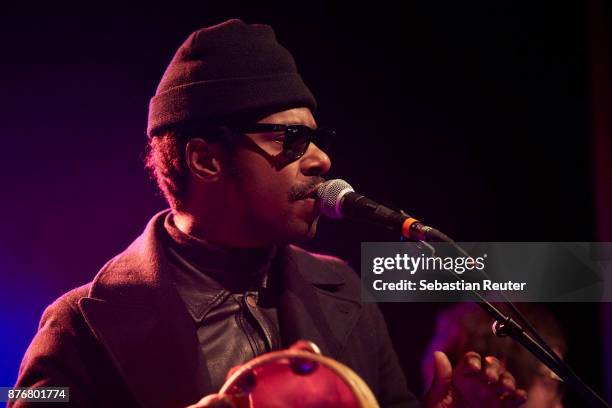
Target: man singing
214	281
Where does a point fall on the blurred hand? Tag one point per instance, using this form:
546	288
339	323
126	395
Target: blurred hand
475	382
213	401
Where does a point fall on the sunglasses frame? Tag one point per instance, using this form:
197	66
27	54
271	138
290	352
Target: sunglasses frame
294	134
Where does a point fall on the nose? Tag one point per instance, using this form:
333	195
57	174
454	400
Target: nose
314	162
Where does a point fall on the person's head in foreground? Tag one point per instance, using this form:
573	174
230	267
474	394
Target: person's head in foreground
233	142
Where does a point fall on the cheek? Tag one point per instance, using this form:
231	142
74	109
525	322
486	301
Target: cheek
262	187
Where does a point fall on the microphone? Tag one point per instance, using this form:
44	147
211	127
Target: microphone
337	199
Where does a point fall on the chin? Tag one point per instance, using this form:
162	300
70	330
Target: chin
302	231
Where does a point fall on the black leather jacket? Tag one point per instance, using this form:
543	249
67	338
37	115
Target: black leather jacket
233	324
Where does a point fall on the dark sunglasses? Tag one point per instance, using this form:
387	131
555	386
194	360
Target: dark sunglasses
297	138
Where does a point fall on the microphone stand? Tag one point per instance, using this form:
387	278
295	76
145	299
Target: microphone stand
505	326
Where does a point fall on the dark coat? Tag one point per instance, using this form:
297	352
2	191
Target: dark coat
126	339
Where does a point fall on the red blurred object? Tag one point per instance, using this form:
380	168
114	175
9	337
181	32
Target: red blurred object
298	377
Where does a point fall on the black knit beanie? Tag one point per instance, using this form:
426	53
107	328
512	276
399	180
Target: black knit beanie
230	71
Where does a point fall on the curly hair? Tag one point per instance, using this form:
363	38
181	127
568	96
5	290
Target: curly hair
165	157
165	161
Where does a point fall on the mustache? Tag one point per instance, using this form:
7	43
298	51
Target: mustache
302	191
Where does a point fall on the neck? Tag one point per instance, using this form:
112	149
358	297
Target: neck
216	231
233	267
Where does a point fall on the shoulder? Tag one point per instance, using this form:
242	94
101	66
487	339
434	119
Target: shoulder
64	313
328	261
70	299
62	335
324	269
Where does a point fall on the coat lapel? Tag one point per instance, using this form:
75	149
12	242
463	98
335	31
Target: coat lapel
311	306
138	316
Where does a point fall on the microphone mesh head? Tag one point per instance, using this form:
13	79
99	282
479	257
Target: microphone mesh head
330	196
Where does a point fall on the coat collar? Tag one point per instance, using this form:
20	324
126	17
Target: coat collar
136	313
312	305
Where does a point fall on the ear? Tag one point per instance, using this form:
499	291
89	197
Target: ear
202	158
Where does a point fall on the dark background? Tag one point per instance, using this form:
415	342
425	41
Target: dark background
476	118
